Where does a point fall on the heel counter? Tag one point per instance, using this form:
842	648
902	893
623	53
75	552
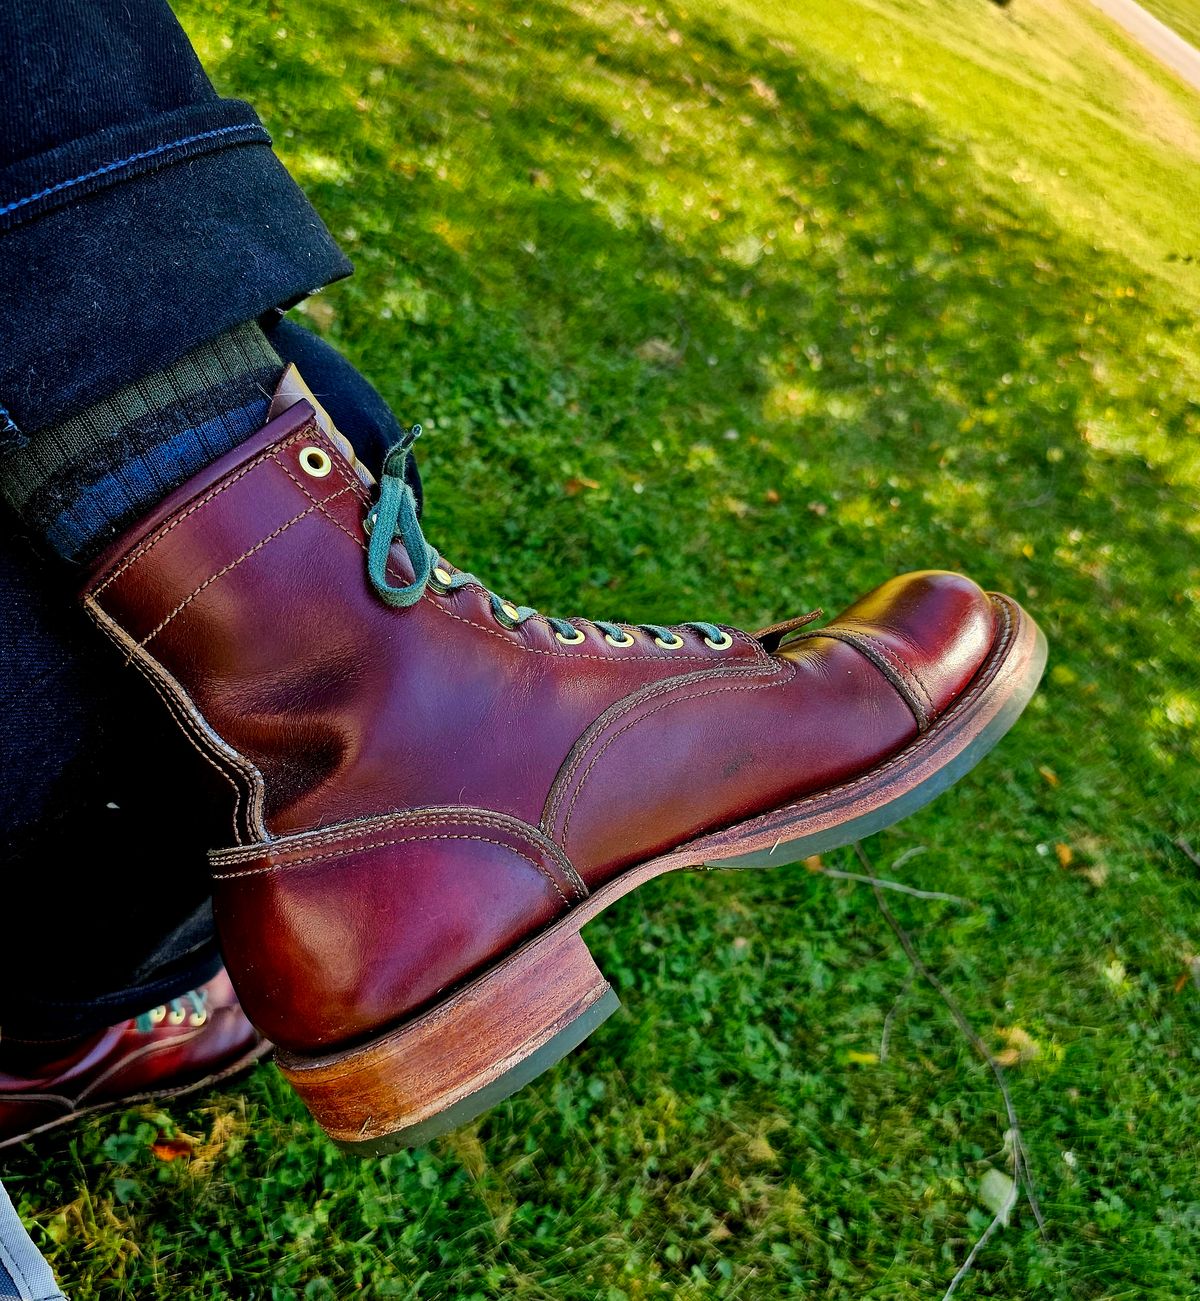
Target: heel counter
333	935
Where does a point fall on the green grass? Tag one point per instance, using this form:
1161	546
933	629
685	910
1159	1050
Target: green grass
814	294
1182	15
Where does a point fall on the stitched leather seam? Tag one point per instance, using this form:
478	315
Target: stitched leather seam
536	839
897	661
413	817
905	755
724	688
140	1054
233	564
871	652
265	455
620	708
186	725
384	844
184	711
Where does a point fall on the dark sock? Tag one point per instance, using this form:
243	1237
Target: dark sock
78	484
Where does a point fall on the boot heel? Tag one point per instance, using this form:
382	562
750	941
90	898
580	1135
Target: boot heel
459	1058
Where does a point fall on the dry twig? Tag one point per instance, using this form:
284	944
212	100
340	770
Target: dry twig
1022	1173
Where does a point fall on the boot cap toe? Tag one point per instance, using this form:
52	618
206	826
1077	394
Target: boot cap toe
928	632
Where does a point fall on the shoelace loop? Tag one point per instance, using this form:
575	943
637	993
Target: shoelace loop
394	518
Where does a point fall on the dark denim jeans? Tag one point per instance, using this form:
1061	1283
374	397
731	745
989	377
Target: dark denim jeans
24	1275
140	215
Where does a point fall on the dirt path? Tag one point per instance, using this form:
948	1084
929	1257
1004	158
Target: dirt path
1156	37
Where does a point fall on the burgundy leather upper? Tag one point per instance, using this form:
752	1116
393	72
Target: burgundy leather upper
44	1083
245	601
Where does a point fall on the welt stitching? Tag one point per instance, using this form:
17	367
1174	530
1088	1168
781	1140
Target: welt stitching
641	718
562	782
244	128
215	491
905	755
384	844
233	564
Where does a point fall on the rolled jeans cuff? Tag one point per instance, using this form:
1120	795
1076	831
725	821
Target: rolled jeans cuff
121	251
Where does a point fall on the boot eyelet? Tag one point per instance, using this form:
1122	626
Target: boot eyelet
177	1017
369	522
197	1019
571	641
613	641
669	645
510	611
441	580
158	1016
719	645
315	462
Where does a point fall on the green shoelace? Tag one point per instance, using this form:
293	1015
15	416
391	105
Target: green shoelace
175	1012
394	519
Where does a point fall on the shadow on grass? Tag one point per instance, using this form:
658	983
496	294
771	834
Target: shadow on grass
797	343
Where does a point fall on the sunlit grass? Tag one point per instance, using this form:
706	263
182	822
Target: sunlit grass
811	294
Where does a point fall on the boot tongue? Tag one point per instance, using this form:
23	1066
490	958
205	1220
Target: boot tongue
292	389
774	636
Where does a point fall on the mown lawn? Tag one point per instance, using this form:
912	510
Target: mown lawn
728	309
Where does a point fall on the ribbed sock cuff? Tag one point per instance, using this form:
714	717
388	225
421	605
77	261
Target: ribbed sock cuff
79	484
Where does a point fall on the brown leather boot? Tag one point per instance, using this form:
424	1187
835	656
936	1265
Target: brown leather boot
191	1044
435	789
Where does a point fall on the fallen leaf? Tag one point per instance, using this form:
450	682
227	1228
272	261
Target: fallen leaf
1191	971
173	1149
573	487
1065	855
1049	775
771	495
1096	873
862	1059
813	863
764	92
660	352
998	1192
1020	1047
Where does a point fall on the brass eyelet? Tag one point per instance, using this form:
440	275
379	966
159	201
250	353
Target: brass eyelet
443	576
198	1018
177	1017
719	645
669	645
612	641
510	611
158	1016
315	462
571	641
